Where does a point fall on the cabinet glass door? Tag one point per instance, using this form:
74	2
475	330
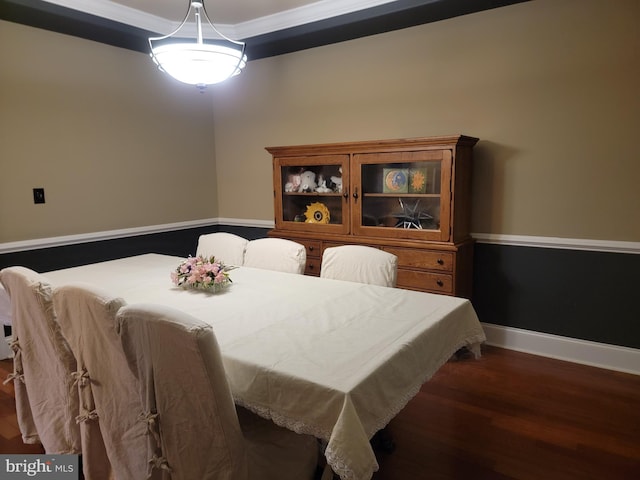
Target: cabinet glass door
402	194
311	192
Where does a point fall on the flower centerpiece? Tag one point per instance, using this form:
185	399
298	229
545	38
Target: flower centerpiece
203	273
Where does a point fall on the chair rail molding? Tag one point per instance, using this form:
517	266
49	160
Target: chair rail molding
39	243
612	246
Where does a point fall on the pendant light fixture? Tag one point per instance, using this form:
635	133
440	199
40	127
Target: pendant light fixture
207	59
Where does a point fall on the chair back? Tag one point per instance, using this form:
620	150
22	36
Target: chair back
113	435
276	254
359	263
185	389
46	397
226	247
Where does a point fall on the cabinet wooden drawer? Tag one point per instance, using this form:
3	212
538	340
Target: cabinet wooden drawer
416	280
313	250
313	266
311	246
427	259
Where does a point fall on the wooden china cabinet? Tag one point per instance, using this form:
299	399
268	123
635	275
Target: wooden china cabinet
410	197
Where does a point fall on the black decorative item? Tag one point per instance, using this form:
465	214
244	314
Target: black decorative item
411	217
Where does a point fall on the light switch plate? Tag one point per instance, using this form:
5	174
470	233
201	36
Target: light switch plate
38	195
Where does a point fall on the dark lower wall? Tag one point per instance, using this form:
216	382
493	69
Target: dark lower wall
579	294
178	242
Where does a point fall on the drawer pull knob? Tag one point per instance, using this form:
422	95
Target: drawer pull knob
440	261
311	249
311	266
440	283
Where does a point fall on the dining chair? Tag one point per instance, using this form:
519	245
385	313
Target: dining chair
46	400
197	433
359	263
226	247
113	437
276	254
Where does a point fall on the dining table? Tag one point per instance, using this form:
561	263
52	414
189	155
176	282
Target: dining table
334	359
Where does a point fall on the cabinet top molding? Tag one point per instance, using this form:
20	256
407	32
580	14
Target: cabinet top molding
374	145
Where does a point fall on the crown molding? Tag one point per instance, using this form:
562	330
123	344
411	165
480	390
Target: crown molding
106	9
324	22
314	12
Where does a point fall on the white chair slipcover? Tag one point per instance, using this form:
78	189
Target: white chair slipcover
46	398
226	247
113	437
359	263
276	254
5	307
197	433
5	320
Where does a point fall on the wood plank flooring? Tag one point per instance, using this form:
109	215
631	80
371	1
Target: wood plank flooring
508	415
511	415
10	438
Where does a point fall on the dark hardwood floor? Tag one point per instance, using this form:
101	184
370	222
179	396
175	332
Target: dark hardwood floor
508	415
10	439
511	415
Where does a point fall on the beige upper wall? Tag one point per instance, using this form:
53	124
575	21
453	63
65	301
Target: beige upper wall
114	143
550	87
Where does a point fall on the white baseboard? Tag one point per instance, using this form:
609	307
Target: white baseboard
595	354
602	355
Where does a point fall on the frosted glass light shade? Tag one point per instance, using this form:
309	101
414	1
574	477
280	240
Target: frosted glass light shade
202	61
199	64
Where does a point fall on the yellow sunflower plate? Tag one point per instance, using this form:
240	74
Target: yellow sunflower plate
317	213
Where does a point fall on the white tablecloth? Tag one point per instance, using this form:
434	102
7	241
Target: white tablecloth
337	360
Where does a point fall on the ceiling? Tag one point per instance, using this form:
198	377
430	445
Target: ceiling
269	27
